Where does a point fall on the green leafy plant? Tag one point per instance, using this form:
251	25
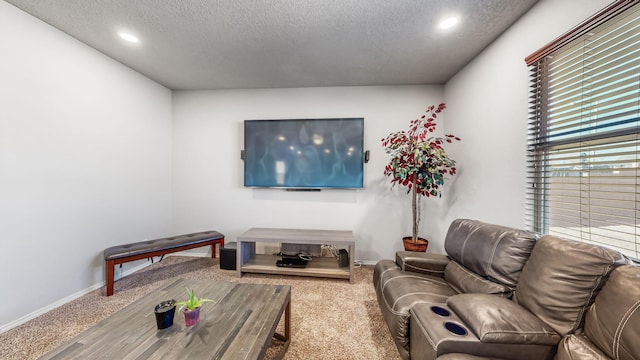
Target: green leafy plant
193	303
419	162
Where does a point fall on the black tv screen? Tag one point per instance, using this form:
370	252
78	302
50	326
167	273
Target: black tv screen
304	153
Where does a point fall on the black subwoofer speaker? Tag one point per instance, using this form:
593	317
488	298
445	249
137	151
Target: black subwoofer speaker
343	258
228	256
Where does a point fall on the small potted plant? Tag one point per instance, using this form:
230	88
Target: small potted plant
420	163
191	308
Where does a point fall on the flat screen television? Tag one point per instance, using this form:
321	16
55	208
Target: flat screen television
304	153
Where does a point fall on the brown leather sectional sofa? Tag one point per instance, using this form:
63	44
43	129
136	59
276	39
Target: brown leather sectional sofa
503	293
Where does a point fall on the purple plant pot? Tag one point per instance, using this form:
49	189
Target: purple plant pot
191	317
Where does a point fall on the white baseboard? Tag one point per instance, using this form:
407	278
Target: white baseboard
192	254
367	262
43	310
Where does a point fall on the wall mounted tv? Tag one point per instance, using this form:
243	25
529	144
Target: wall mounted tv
304	154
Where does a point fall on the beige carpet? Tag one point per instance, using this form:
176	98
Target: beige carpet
331	319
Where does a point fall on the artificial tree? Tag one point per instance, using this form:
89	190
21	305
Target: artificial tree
419	161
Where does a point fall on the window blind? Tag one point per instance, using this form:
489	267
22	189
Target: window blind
584	133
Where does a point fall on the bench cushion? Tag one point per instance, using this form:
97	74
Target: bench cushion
143	247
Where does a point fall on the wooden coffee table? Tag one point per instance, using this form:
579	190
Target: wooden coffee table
240	325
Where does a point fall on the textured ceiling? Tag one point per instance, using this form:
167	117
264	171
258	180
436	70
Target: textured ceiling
225	44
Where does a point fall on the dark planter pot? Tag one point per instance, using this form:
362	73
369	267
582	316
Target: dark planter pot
420	245
164	313
191	317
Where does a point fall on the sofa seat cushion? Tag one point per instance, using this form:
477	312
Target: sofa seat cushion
562	278
613	321
381	267
397	291
492	251
574	347
463	280
494	319
401	289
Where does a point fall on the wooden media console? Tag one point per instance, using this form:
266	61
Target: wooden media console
250	262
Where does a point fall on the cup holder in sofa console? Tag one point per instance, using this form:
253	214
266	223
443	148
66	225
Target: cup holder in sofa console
440	311
455	328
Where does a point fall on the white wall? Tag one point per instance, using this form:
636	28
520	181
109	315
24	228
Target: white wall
86	155
85	163
488	108
208	173
487	104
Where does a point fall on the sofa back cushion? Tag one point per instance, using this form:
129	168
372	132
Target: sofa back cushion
493	252
562	278
613	321
464	281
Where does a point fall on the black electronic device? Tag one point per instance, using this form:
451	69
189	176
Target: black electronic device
298	260
304	153
292	263
343	258
228	256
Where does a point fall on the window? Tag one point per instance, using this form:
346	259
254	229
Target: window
584	132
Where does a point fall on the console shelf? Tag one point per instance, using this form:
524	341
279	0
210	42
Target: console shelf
250	262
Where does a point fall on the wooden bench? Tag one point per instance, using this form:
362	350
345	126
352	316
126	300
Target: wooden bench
145	249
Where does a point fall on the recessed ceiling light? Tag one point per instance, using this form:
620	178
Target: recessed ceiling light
448	22
129	37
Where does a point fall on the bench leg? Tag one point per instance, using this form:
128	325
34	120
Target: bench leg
110	268
220	243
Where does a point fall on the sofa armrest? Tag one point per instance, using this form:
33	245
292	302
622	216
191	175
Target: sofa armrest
494	319
426	263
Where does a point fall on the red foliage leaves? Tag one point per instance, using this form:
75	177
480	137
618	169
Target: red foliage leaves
418	160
